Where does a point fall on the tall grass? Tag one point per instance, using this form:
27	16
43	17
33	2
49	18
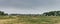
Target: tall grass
30	19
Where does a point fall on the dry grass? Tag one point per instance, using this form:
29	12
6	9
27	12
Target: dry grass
30	20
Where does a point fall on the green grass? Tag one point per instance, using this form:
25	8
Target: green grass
31	19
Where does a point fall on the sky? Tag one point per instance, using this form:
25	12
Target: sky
29	6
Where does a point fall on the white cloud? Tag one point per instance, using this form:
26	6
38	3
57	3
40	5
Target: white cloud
29	6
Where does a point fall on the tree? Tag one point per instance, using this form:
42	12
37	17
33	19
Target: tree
2	13
53	13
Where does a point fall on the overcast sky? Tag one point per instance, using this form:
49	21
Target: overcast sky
29	6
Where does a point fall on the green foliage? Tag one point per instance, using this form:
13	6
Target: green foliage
3	14
52	13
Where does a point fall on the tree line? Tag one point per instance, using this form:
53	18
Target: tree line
3	14
51	13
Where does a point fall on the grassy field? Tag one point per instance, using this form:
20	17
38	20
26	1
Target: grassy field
30	20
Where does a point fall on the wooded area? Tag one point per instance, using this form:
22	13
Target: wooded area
51	13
